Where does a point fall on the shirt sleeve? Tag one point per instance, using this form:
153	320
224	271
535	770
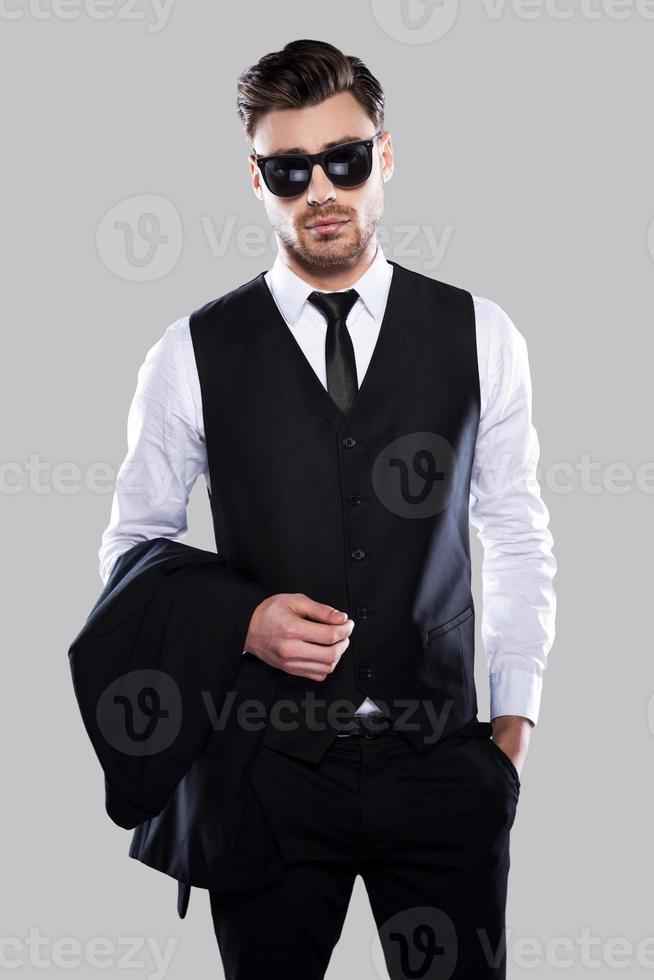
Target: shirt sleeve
165	450
519	602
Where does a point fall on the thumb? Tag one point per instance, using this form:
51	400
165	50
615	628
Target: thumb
321	612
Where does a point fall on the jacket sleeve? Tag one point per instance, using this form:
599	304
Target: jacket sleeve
153	667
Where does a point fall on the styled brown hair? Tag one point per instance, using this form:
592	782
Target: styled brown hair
302	74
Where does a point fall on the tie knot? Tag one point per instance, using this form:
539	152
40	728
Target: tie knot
334	306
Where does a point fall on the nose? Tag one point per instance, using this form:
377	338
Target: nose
320	187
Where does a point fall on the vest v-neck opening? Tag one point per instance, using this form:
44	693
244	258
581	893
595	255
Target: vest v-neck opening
382	341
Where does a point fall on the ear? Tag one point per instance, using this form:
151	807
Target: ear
255	176
385	144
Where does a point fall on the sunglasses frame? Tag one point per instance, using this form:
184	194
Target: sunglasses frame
314	158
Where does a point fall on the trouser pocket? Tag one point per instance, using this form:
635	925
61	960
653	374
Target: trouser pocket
504	762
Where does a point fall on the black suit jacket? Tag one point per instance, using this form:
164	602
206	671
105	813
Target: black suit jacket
175	712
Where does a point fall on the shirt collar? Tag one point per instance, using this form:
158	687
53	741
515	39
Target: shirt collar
290	291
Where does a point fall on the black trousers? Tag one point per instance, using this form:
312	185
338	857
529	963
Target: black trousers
429	835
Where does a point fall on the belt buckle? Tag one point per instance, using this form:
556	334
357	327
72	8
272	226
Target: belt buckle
375	732
355	730
360	727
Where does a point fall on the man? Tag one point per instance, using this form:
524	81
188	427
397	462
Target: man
351	417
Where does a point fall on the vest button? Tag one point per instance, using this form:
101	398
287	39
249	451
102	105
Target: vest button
358	554
354	499
361	612
366	672
349	441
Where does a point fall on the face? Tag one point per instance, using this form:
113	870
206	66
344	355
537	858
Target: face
356	211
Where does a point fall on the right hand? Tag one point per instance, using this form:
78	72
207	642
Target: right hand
295	634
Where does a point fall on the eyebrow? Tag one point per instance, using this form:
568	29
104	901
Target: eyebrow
325	146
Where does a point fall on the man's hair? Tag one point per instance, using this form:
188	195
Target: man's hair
302	74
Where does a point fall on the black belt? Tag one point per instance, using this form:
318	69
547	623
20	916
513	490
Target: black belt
370	725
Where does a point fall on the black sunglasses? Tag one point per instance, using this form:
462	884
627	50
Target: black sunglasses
346	165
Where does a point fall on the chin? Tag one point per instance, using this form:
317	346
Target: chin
329	252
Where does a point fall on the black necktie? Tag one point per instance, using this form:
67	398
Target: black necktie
339	349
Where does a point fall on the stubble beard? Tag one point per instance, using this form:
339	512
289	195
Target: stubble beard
340	248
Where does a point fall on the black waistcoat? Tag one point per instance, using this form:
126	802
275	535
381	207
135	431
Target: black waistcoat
367	511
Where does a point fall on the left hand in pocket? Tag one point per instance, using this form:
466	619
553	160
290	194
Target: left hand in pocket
511	734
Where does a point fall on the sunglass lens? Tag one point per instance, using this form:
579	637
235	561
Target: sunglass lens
349	166
286	176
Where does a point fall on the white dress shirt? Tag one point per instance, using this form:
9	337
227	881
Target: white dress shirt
167	453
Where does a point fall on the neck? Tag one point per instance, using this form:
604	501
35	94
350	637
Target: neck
330	277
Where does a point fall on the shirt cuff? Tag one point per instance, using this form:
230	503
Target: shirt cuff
515	692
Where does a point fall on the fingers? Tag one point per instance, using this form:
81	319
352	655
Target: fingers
311	660
304	670
305	638
320	612
320	634
315	622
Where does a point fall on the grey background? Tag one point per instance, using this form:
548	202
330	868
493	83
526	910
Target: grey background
528	135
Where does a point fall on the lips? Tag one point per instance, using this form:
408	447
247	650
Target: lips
325	228
326	221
